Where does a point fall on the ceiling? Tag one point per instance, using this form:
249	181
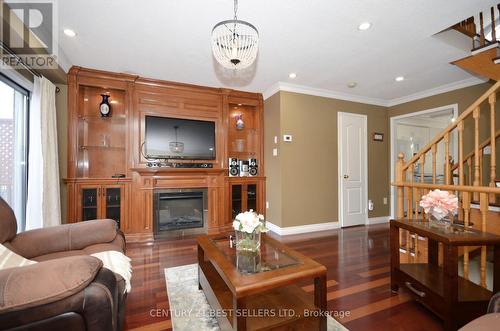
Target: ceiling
318	40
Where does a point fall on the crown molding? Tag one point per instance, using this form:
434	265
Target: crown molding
437	90
287	87
271	90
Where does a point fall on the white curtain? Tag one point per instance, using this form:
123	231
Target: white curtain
44	206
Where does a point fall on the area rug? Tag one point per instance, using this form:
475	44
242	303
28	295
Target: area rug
189	309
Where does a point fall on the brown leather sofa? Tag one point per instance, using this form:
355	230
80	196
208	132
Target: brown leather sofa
488	322
67	289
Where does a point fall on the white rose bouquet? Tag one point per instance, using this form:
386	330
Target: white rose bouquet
249	226
249	222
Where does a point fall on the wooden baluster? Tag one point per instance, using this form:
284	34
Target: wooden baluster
475	115
434	155
481	159
469	171
481	29
447	171
466	208
400	191
420	194
422	178
493	23
493	163
460	127
483	207
410	193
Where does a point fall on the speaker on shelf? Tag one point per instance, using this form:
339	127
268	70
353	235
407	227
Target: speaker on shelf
253	167
234	167
243	168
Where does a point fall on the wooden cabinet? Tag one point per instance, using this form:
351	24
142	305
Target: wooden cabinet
99	148
96	201
245	193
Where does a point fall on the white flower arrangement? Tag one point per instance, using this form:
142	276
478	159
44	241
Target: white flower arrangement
249	222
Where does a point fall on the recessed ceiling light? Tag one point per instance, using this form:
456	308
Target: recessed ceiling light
352	85
240	104
364	26
399	79
292	75
453	119
69	32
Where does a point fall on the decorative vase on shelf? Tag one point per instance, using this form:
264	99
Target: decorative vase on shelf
240	125
248	227
440	206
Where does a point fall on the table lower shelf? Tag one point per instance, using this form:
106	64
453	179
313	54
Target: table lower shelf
432	277
284	306
427	282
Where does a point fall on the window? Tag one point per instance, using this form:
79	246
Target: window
14	147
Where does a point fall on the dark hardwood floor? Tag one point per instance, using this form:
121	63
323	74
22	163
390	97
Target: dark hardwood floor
358	280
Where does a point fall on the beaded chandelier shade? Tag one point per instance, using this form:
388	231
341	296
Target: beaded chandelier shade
235	43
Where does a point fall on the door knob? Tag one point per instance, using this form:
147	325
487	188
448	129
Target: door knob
346	176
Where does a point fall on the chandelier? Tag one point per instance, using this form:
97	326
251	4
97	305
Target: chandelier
176	146
235	43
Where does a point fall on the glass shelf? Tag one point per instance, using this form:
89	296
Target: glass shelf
119	119
87	147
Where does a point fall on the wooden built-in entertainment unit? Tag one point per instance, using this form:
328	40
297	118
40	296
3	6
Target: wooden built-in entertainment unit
102	147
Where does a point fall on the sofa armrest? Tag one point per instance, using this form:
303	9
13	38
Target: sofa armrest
45	282
65	237
494	305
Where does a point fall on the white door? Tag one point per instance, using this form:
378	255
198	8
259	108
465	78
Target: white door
352	156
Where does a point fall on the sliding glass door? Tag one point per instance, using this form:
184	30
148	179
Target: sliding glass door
14	147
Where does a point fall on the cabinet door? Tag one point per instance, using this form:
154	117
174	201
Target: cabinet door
251	195
113	202
89	204
236	199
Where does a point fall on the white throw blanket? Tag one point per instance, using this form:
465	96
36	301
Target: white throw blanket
118	263
115	261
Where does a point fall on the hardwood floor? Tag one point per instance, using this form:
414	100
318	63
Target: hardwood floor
358	280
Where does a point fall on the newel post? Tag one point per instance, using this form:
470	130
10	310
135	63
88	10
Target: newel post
400	178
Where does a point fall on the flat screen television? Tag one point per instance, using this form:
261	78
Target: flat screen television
176	138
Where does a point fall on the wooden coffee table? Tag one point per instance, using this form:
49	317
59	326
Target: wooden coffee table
259	291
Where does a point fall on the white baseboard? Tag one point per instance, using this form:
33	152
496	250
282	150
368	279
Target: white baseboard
302	228
378	220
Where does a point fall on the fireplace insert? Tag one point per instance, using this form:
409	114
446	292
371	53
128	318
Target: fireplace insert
180	212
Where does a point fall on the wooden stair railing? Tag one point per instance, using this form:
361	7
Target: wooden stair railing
477	31
410	186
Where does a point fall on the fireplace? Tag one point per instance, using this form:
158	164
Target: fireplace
179	212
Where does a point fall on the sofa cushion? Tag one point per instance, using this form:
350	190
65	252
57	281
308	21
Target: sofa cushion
58	255
486	322
67	237
45	282
8	224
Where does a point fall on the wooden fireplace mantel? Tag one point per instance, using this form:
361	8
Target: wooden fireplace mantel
99	148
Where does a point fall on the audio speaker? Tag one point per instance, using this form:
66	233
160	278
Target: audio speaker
234	167
243	168
253	168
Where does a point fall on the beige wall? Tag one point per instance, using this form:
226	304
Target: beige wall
307	167
272	128
62	143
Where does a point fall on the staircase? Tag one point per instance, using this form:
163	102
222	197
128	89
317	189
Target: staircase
472	178
485	54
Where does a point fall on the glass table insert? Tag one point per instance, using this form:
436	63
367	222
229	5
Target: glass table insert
267	258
